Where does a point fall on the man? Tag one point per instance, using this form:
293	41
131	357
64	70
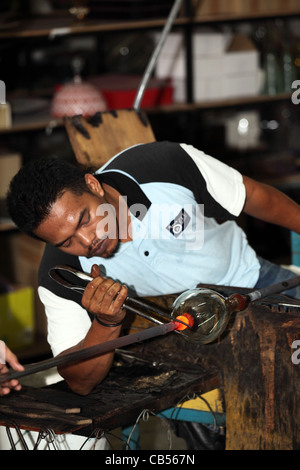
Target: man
147	219
7	356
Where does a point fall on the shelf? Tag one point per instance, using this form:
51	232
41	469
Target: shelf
233	17
230	102
45	121
32	123
62	23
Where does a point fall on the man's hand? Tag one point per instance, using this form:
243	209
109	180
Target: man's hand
104	298
7	356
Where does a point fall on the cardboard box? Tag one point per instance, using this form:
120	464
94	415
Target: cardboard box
238	86
209	43
208	89
207	46
179	86
171	65
223	66
171	62
240	62
173	43
17	317
241	68
208	50
208	67
241	56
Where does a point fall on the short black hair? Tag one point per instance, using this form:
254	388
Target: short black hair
36	187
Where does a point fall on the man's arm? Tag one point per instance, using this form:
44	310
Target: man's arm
267	203
104	298
85	375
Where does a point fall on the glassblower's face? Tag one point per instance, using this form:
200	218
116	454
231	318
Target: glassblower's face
81	225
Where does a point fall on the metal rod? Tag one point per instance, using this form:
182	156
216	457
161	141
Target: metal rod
90	352
143	315
150	308
155	55
274	289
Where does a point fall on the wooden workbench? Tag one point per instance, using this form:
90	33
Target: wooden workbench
147	382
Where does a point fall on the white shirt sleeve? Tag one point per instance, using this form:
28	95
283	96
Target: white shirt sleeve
224	183
68	322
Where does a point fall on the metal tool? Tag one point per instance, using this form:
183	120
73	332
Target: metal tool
150	67
90	352
132	304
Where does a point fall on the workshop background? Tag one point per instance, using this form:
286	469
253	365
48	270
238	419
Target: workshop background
227	81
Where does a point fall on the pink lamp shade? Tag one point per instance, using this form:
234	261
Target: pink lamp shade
77	98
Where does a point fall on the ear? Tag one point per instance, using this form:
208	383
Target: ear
93	184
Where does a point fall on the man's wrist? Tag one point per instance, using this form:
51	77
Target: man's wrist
109	325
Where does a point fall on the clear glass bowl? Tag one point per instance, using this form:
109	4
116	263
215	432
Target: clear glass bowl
209	310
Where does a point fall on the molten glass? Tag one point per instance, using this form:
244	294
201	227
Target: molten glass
187	319
210	312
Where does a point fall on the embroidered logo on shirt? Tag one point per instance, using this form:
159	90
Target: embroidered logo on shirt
181	221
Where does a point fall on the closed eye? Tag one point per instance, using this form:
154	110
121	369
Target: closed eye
87	221
84	219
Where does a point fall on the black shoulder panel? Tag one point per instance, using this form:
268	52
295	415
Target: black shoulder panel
52	257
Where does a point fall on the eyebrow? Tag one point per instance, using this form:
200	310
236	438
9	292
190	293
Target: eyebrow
82	213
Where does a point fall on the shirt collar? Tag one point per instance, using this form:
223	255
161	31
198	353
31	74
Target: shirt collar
137	200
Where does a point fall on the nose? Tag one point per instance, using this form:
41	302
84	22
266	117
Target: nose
85	237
